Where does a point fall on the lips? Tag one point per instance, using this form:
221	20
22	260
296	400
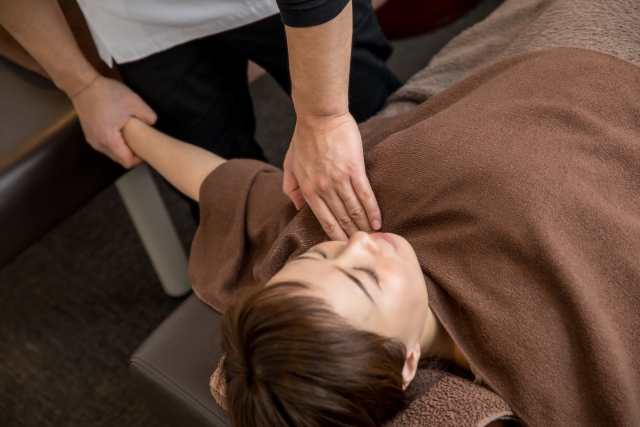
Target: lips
388	239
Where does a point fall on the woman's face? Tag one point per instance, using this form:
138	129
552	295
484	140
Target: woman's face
374	281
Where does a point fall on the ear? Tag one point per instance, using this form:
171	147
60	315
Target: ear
410	365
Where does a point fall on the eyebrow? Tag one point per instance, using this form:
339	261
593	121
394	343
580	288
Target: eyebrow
353	278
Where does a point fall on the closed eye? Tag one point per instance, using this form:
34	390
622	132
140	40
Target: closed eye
371	272
322	253
305	255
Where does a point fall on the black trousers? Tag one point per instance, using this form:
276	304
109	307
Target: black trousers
199	89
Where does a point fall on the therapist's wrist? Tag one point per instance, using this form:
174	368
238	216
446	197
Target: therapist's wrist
323	123
308	106
72	81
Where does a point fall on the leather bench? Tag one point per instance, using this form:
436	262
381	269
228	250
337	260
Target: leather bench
172	367
48	172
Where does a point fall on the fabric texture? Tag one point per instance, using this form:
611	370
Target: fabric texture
520	26
449	401
218	385
519	189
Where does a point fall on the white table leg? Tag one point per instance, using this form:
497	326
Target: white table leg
159	237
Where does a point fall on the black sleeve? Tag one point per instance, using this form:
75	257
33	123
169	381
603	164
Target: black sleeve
309	13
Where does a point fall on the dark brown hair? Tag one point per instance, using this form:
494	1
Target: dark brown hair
291	361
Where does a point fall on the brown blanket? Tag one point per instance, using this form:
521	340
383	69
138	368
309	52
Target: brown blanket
518	26
519	189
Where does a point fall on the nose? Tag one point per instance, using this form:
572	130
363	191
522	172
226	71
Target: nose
361	242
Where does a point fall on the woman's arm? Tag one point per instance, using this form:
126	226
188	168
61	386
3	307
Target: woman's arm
184	165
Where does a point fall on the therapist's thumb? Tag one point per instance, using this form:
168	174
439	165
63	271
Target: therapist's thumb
143	112
291	188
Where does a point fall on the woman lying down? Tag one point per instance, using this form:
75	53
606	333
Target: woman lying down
511	210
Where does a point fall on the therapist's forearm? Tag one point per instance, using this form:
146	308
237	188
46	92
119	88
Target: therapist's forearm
184	165
319	59
41	28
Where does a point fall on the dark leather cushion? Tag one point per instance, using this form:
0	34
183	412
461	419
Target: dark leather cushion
47	170
173	366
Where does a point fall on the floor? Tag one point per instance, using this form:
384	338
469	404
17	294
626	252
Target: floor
75	305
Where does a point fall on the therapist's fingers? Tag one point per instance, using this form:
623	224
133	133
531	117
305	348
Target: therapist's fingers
290	184
340	212
355	210
291	188
368	200
326	218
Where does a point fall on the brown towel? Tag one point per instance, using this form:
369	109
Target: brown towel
452	402
517	26
449	401
519	189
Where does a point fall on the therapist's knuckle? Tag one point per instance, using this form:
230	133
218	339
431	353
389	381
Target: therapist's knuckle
335	176
366	195
306	188
352	167
322	186
373	212
328	226
345	222
356	212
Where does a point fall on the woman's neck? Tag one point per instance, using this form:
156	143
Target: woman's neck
436	341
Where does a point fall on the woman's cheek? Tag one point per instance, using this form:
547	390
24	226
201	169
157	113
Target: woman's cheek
397	282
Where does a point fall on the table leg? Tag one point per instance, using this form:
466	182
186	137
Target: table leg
159	237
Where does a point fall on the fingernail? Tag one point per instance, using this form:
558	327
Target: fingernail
376	224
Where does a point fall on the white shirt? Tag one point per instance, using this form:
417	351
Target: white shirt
126	30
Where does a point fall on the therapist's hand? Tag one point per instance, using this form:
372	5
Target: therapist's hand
104	107
324	167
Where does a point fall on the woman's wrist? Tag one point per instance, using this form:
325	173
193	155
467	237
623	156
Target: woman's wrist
133	134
